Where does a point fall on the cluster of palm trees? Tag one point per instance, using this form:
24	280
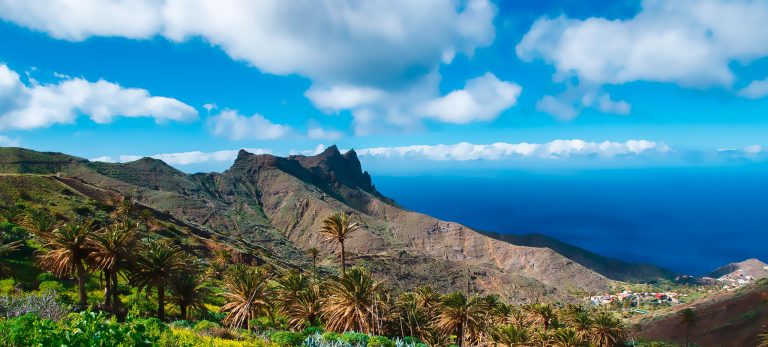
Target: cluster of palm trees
353	300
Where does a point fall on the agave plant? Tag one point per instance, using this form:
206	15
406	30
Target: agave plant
246	291
337	227
351	301
156	265
68	247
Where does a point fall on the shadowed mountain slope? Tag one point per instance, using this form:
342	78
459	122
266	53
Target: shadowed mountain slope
277	204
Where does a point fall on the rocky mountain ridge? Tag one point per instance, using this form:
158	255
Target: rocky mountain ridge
277	204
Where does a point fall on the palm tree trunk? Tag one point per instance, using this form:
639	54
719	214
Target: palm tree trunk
161	301
460	335
183	310
107	289
115	294
343	258
81	284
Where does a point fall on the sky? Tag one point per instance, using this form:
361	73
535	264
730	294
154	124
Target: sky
409	84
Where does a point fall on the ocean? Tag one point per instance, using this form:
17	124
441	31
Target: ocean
688	220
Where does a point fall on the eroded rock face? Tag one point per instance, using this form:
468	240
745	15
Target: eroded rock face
277	204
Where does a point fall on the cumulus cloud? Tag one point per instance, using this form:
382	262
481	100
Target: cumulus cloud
36	106
500	150
687	42
482	99
556	107
234	126
755	89
354	52
186	158
318	133
6	141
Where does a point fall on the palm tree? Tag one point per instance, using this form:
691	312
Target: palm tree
567	338
305	307
5	251
578	318
458	314
337	227
688	318
246	291
38	222
544	314
113	249
350	301
189	293
314	252
68	247
157	264
607	331
510	335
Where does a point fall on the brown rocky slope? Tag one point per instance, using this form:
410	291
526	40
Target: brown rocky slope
277	204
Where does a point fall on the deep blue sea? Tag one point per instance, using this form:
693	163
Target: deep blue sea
689	220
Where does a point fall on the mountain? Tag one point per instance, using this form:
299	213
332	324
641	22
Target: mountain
753	268
276	204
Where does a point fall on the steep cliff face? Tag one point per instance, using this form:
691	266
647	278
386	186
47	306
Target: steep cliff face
278	203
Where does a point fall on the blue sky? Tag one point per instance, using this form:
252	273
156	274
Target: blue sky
614	83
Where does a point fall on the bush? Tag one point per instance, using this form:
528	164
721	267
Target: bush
43	305
353	338
205	325
7	286
380	341
51	286
312	331
46	276
331	336
287	339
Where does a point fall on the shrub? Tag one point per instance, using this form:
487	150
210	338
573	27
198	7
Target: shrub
380	341
205	325
7	286
312	331
51	286
331	336
46	276
42	304
353	338
287	339
29	330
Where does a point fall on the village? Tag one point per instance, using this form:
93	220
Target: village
628	298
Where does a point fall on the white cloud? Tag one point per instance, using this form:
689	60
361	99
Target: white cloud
755	89
352	51
317	150
37	106
6	141
187	158
556	107
500	150
232	125
687	42
318	133
604	103
104	159
482	99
